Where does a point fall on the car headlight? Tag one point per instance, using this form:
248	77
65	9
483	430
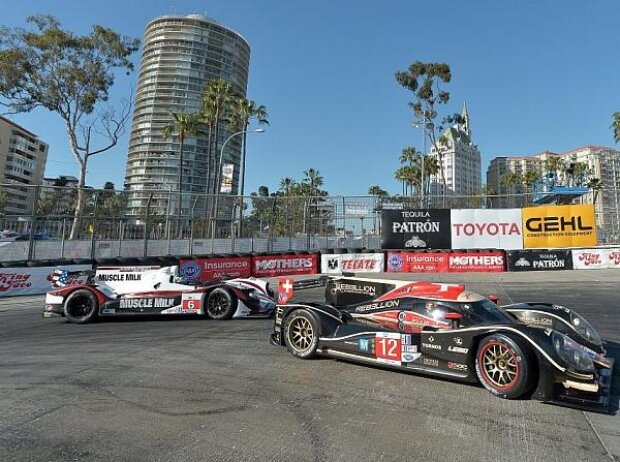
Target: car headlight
584	328
573	354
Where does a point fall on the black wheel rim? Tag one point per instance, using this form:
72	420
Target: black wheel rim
81	306
218	305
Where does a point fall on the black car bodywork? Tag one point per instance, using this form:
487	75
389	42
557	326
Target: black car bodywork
543	351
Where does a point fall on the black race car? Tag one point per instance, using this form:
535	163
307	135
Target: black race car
536	350
85	296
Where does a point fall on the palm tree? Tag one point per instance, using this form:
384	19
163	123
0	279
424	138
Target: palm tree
555	165
431	167
488	191
511	180
217	101
286	185
616	127
528	179
314	180
244	111
376	190
579	171
595	185
409	155
183	126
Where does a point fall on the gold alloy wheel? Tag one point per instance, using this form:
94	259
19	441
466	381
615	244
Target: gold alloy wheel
300	334
500	365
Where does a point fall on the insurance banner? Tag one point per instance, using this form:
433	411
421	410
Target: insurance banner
31	281
416	229
539	260
559	226
353	262
210	269
605	258
422	262
487	229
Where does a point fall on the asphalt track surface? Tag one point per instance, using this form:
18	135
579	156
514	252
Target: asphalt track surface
199	390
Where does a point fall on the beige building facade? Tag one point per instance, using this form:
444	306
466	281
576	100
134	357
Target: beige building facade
22	164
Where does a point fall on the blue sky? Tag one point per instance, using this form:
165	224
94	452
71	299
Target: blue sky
536	75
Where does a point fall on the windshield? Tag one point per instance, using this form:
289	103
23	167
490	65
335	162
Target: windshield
485	312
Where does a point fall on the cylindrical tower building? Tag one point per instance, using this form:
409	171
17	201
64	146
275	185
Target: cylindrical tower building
180	55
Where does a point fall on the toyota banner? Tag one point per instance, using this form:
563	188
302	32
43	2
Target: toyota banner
415	229
487	229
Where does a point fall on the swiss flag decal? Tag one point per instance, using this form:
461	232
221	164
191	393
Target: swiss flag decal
285	290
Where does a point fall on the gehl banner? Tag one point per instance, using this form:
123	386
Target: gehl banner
544	227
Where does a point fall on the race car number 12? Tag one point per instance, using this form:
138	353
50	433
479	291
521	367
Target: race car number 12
388	349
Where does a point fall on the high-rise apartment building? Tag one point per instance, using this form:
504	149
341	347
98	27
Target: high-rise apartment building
180	54
601	162
22	163
460	161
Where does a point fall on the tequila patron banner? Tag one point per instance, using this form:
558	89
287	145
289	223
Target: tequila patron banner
416	229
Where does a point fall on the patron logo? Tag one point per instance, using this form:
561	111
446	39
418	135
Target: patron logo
551	262
547	224
119	277
416	227
14	281
522	262
142	303
486	229
378	306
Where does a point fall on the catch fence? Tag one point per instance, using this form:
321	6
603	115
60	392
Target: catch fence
38	223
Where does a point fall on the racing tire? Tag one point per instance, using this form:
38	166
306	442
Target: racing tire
301	334
221	304
505	367
81	307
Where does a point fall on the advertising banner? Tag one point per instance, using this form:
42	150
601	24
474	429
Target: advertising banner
416	229
209	269
482	262
31	281
227	178
352	262
539	260
487	229
596	258
409	262
280	265
559	226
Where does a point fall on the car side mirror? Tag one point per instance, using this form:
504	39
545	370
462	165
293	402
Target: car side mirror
454	317
494	298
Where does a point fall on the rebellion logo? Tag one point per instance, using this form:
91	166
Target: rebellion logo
589	259
353	289
548	224
378	306
14	281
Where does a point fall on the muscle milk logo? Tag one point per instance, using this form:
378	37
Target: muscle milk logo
14	281
277	264
487	229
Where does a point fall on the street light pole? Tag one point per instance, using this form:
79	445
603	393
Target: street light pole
218	178
422	124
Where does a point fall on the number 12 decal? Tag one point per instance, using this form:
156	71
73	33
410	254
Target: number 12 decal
388	348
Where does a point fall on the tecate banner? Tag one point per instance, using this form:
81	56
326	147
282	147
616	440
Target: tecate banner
416	229
209	269
487	229
559	226
352	262
277	265
31	281
539	260
596	258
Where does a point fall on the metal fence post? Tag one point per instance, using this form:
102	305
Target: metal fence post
62	238
93	237
146	225
33	224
